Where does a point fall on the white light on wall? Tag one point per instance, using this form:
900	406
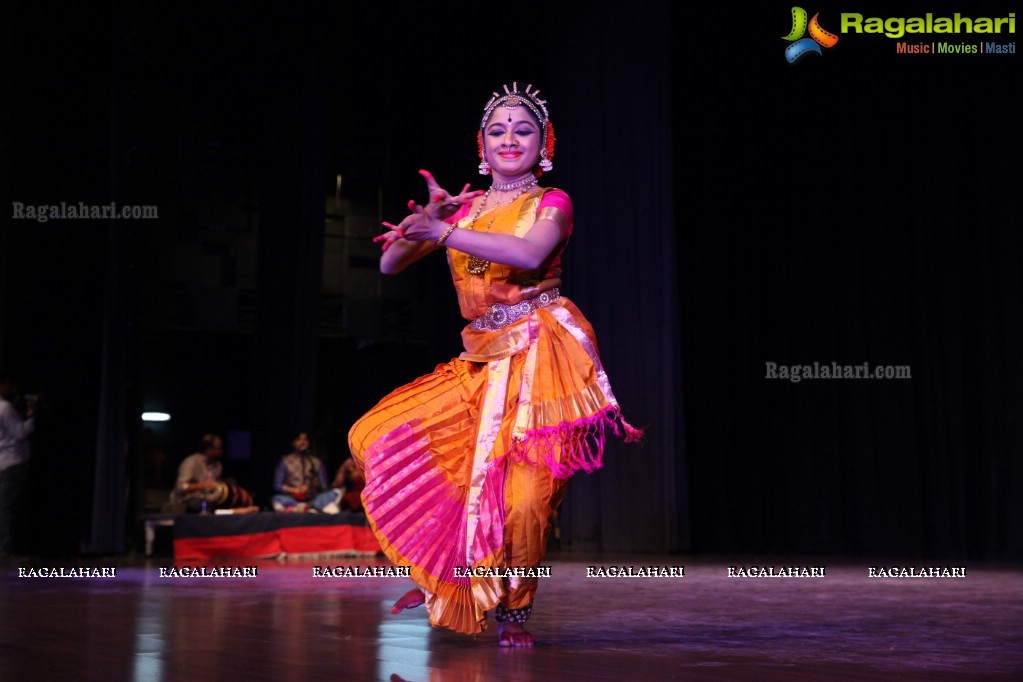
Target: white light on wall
155	417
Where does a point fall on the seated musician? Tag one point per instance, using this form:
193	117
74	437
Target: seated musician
199	487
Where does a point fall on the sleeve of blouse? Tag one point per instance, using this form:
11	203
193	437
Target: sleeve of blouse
555	205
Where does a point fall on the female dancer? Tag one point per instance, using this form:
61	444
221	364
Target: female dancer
465	465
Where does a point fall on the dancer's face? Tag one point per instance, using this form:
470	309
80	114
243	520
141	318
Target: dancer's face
512	141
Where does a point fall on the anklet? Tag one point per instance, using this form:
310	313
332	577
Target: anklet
505	615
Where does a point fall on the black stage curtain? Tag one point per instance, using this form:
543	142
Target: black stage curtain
612	110
732	211
857	207
289	126
55	272
106	531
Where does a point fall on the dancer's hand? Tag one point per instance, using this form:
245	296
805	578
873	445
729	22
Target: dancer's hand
417	226
387	238
442	204
427	222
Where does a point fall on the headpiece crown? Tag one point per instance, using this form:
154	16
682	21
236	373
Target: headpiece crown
513	97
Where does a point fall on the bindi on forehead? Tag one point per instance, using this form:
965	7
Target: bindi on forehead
509	109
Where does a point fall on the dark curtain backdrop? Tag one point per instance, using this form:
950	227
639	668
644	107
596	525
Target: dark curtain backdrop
732	210
612	108
55	272
290	91
861	206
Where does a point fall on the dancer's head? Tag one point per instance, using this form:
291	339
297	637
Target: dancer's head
516	135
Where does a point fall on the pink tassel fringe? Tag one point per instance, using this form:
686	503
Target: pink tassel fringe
581	443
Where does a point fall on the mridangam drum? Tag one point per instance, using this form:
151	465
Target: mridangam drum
228	495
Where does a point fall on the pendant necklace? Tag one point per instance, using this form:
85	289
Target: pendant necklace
475	265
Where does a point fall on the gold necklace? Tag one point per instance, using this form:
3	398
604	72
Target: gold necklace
476	265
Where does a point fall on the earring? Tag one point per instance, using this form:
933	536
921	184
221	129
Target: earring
484	166
546	165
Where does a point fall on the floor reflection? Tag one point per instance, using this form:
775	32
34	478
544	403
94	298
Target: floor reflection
286	624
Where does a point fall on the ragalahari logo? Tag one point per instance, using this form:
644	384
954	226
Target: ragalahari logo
802	46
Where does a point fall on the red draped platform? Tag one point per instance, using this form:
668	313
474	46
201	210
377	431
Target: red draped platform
269	534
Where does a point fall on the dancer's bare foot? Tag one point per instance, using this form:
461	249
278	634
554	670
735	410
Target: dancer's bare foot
409	600
513	634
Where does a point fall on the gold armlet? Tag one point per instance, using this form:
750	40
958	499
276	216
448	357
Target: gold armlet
552	213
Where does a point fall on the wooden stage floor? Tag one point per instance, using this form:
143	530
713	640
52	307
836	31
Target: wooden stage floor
285	624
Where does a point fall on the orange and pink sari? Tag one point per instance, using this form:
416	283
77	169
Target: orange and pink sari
465	465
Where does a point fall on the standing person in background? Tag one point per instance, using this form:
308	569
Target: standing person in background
14	454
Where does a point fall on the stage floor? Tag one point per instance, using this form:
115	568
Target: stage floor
285	624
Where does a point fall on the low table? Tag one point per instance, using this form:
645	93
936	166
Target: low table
272	534
151	521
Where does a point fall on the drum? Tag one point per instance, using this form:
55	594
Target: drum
228	495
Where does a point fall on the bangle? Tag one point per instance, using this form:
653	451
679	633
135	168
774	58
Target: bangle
447	233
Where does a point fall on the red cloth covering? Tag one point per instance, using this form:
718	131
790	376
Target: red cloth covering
270	534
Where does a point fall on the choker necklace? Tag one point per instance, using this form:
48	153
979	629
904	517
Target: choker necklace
475	265
527	181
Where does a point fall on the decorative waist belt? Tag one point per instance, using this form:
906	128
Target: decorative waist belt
500	315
